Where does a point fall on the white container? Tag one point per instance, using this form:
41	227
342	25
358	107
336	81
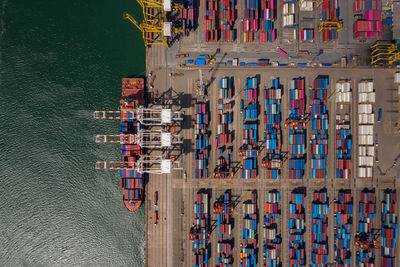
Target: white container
361	172
397	77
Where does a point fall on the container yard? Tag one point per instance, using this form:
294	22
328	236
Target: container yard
327	188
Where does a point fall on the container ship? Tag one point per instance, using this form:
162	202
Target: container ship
131	179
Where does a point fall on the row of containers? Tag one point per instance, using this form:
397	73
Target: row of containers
248	244
330	20
343	221
201	136
223	208
250	110
297	246
390	228
272	230
224	136
297	124
307	35
200	230
366	148
319	128
369	19
272	133
319	235
343	129
187	16
219	23
259	15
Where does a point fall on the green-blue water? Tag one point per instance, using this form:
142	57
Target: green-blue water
59	61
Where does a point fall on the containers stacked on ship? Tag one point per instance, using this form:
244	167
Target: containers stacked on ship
365	237
366	119
188	16
343	130
199	233
289	13
211	30
224	210
297	249
131	181
319	236
224	130
249	109
369	24
343	212
201	135
272	132
319	128
390	228
248	245
330	20
297	124
250	22
227	18
268	16
272	231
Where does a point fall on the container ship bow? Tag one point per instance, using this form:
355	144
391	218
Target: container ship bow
131	180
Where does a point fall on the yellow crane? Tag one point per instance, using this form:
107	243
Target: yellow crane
384	53
329	25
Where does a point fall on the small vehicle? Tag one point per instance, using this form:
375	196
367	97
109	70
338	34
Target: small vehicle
155	198
181	55
379	115
155	217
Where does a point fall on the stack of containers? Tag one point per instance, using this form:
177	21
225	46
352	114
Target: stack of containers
225	220
227	17
210	21
201	140
343	131
330	13
367	211
390	227
289	12
297	254
307	35
272	133
226	88
249	108
370	24
248	252
297	134
319	237
201	230
343	212
131	183
366	151
187	16
319	128
272	237
268	16
250	23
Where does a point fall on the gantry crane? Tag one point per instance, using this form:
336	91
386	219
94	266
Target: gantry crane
145	164
144	138
384	53
273	164
146	116
365	242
